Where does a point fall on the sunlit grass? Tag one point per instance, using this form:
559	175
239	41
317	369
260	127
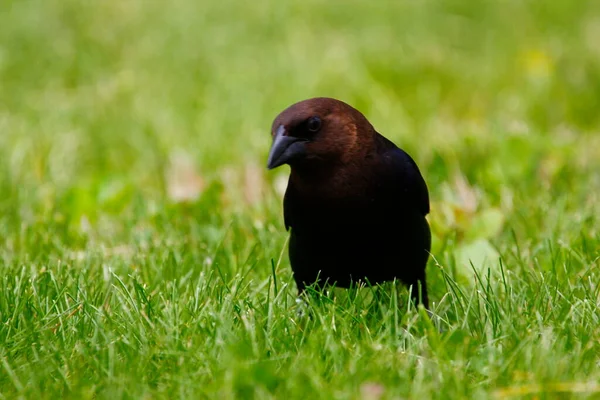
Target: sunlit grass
142	246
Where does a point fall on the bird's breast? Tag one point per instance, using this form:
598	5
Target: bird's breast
346	221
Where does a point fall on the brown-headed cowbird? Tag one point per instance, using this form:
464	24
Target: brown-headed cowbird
355	203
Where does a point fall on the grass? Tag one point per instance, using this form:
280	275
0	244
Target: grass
142	248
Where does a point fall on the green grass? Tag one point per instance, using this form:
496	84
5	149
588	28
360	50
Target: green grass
112	287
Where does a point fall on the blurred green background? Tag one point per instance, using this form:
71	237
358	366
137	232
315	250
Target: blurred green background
133	139
98	101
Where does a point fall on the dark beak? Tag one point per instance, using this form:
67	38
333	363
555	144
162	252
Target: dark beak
285	149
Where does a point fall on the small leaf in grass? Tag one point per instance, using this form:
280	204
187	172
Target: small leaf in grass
253	183
480	253
184	183
280	184
465	195
371	391
485	225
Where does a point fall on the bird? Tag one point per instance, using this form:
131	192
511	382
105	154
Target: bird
355	203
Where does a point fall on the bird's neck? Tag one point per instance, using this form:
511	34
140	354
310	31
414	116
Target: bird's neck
337	180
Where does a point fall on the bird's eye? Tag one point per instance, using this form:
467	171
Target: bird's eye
314	124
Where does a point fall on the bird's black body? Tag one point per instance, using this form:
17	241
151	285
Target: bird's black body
355	203
375	235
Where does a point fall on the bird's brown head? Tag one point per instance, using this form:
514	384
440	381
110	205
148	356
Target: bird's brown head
317	131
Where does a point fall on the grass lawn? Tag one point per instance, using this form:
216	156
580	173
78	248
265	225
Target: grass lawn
142	247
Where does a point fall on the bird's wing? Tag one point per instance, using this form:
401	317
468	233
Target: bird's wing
404	175
288	206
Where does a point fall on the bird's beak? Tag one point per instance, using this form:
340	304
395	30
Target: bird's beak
285	149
